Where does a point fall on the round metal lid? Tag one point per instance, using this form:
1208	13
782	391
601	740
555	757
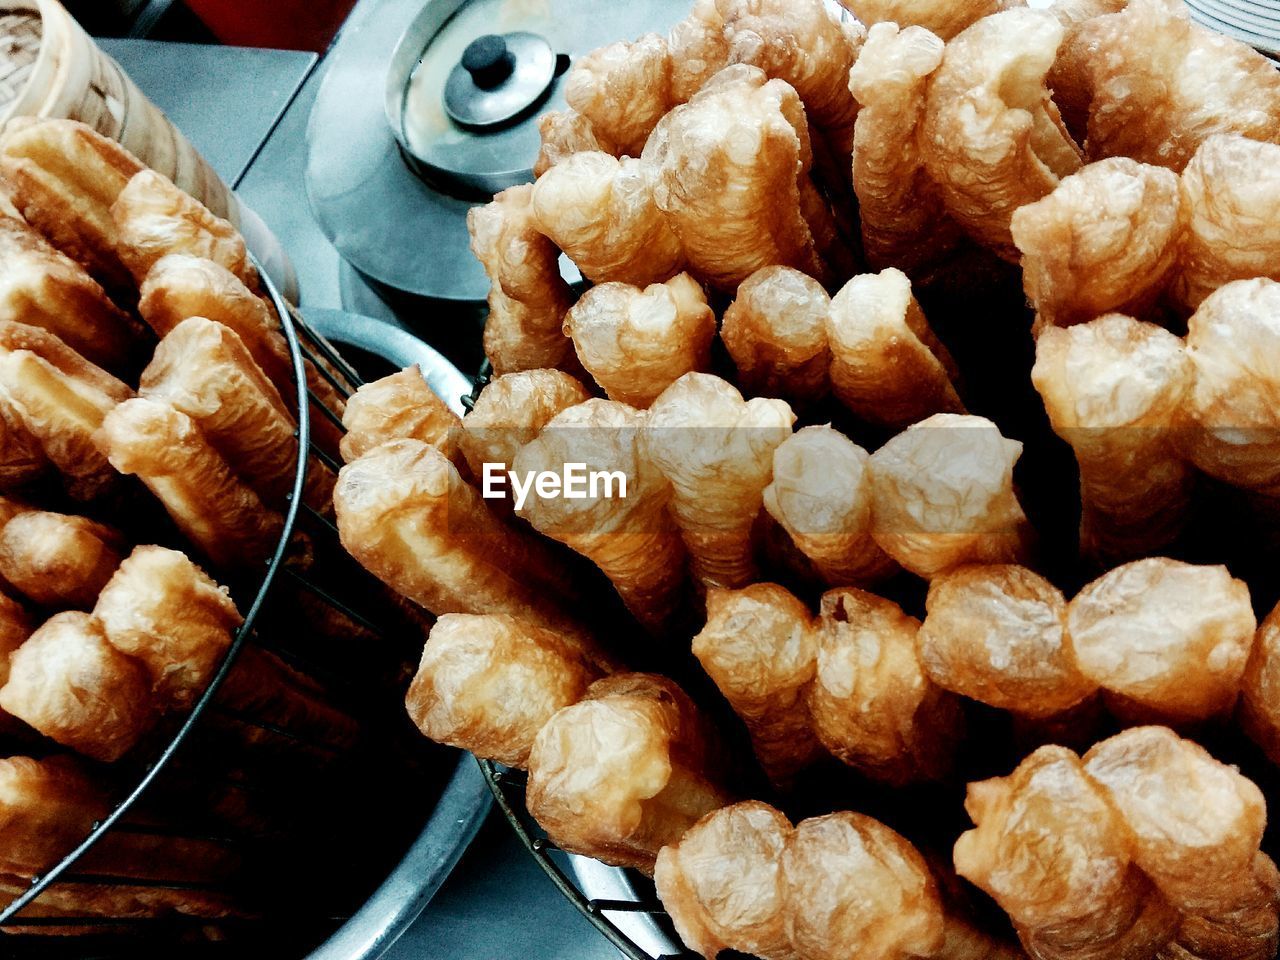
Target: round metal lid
408	231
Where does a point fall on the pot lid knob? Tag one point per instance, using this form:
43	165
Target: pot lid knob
488	61
499	79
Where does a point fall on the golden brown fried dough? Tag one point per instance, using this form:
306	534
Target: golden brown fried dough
776	333
21	458
396	407
620	523
872	705
1106	239
1069	78
623	773
56	560
887	365
1161	85
722	882
46	808
992	138
511	411
699	49
998	634
623	89
943	496
1171	638
1260	692
1231	198
564	133
732	165
1233	340
15	626
601	212
154	219
760	648
488	684
69	683
942	17
528	297
717	451
166	612
636	343
215	509
821	495
1115	388
64	176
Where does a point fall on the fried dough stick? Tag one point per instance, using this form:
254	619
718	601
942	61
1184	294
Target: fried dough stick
21	458
945	18
760	647
564	133
407	517
717	451
15	626
623	89
398	406
58	560
992	138
1231	199
1164	638
887	365
1162	85
943	496
42	287
601	212
821	495
59	399
624	772
776	332
1115	388
69	683
202	369
872	705
511	411
1069	78
1106	239
636	343
997	634
217	511
488	684
699	49
903	220
527	298
732	175
629	537
64	176
1260	693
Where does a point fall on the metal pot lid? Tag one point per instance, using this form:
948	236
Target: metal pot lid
381	114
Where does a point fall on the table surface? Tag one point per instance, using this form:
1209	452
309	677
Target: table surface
247	111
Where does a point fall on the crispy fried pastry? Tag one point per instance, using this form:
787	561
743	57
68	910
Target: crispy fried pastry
821	495
154	219
1233	340
992	138
1106	239
601	212
732	164
527	297
564	133
15	626
621	523
398	406
776	333
623	773
488	684
1260	692
722	882
59	399
407	516
46	808
1231	199
904	223
42	287
21	458
57	560
636	343
945	18
998	634
1162	85
1169	639
943	496
167	613
887	365
760	648
623	89
216	510
64	176
511	411
698	48
1114	388
1069	78
69	683
717	451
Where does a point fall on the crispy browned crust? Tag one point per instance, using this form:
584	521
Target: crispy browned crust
397	407
57	560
